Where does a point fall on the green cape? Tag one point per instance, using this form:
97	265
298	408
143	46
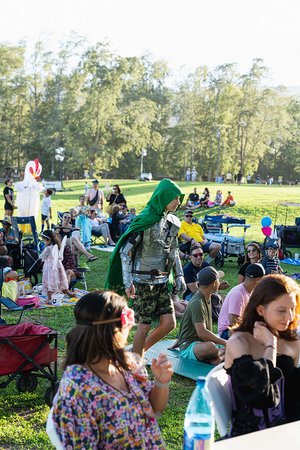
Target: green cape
165	192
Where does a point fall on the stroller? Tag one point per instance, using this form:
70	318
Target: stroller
230	245
288	235
25	252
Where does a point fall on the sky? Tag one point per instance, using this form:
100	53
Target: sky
185	33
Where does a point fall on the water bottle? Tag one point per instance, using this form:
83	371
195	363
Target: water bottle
198	422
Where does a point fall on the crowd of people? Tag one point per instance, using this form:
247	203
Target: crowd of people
105	396
196	201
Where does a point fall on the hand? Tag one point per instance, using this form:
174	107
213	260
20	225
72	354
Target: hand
130	292
224	285
162	369
180	286
263	335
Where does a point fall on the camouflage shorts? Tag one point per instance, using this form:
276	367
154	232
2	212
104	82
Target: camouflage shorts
151	302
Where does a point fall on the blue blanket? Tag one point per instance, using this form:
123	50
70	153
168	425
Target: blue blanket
292	261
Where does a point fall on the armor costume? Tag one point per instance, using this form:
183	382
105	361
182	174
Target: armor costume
155	254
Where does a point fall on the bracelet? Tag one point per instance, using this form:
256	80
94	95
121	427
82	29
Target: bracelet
159	384
269	346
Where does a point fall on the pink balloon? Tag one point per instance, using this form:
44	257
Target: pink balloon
267	231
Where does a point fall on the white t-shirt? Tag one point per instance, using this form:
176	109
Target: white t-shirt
46	205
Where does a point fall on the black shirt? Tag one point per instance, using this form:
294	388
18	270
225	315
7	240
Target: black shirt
190	273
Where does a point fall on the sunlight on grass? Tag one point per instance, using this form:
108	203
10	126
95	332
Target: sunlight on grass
23	416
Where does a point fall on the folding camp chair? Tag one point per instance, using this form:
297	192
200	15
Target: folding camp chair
217	383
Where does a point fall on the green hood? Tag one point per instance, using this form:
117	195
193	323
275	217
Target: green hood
165	192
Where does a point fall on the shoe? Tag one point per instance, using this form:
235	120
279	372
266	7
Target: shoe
92	258
112	244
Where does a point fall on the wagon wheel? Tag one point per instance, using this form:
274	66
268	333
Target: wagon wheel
240	259
287	253
219	261
50	394
27	382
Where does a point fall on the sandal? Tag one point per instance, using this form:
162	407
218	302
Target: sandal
92	258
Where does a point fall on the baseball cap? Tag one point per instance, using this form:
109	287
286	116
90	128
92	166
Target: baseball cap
7	270
255	271
272	244
7	219
209	275
189	212
96	181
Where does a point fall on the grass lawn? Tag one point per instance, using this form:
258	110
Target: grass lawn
23	416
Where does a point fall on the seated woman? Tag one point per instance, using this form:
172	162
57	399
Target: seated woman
100	227
253	255
103	400
219	198
66	229
205	198
262	357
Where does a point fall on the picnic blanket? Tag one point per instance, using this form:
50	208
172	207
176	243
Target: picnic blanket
184	367
103	249
67	301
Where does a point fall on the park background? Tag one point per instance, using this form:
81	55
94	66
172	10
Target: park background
23	416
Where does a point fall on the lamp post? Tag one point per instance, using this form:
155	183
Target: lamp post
242	125
60	156
144	153
218	135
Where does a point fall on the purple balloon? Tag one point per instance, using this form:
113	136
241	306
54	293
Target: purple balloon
267	231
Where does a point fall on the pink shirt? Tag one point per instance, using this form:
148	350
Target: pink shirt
234	303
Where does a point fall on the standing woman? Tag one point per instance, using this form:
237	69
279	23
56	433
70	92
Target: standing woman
253	255
8	193
103	401
262	357
116	196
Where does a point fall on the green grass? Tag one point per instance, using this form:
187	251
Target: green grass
23	416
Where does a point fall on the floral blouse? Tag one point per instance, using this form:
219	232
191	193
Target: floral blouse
88	413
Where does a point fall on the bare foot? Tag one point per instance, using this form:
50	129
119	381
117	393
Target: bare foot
174	346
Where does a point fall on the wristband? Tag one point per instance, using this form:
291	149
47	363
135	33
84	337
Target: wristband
159	384
269	346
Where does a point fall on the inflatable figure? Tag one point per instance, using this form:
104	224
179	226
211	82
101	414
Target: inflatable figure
28	190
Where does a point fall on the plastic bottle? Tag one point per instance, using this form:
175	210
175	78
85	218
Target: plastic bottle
199	422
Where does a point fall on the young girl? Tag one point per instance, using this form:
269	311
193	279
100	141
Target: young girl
262	358
102	401
54	274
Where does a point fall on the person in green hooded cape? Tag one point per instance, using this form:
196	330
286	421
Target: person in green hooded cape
150	245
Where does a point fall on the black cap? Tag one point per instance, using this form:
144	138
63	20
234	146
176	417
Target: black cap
272	244
96	181
255	271
209	275
189	212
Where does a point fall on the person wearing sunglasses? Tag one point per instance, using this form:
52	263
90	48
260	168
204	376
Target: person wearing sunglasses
191	233
66	229
253	255
191	271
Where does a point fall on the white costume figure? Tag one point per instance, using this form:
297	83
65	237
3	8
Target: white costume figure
28	196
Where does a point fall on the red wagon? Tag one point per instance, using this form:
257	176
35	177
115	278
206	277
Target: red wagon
28	352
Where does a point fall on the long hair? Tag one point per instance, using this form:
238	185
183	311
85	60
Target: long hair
268	289
87	343
52	236
256	246
118	188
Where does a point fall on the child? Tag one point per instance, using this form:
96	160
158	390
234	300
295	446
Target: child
10	283
54	275
103	401
270	261
132	214
46	209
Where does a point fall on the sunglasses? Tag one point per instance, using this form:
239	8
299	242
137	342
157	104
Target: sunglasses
252	250
67	217
189	215
197	255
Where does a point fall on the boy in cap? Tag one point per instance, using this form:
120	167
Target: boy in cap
270	261
237	299
196	339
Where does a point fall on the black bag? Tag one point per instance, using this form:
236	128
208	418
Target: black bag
216	304
94	200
